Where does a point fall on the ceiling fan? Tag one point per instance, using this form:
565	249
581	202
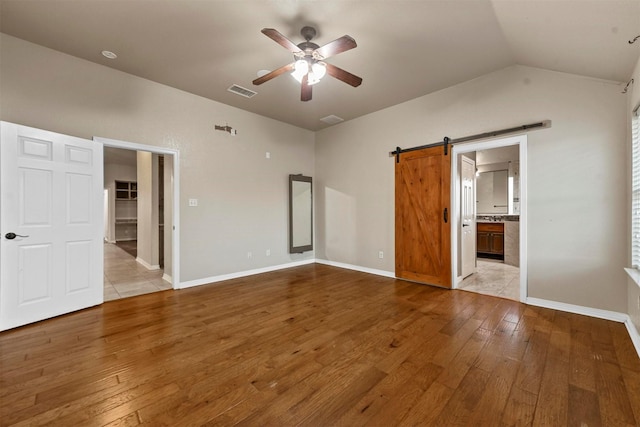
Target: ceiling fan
309	66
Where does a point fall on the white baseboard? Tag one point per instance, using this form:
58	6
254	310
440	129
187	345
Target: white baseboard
633	333
578	309
384	273
222	277
147	265
592	312
167	278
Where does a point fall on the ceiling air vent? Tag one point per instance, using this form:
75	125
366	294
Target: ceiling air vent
242	91
332	120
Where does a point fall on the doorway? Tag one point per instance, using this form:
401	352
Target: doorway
493	272
142	248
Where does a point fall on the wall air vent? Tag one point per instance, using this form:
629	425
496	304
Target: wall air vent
242	91
332	120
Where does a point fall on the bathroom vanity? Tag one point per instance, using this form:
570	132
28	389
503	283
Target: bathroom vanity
498	237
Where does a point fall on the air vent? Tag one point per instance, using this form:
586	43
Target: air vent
242	91
332	120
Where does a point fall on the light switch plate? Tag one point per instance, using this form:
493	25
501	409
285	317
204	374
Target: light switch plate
193	202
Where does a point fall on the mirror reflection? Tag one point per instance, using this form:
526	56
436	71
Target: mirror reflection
492	192
300	214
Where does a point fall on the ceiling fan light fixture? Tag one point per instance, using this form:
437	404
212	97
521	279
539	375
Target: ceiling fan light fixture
300	69
314	73
319	70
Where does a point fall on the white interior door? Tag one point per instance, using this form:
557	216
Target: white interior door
467	216
50	197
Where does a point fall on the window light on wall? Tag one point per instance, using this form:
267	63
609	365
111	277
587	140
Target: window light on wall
635	190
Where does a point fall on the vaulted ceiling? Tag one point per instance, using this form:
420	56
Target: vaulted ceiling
406	48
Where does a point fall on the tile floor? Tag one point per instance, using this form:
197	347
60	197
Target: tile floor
494	278
125	277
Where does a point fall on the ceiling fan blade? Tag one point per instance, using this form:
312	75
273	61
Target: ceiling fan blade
305	92
335	47
275	73
342	75
276	36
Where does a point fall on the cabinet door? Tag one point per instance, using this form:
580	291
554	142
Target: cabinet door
497	243
483	244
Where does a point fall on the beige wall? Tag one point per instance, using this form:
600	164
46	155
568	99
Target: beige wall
148	212
577	169
576	180
242	195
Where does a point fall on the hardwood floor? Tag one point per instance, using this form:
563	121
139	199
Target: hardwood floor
318	345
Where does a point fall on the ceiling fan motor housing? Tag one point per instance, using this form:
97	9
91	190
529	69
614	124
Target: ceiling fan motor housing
308	33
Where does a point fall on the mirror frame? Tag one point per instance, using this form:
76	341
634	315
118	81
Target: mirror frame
299	249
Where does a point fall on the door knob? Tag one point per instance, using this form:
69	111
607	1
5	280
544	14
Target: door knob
11	236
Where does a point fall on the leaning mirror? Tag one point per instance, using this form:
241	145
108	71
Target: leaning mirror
300	214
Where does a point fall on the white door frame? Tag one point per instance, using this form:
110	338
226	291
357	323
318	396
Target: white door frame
520	140
175	241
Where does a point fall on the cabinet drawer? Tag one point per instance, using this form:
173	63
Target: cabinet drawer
483	226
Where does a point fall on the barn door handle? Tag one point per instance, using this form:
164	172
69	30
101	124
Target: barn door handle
446	215
11	236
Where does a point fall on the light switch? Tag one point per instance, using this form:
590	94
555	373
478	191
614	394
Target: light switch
193	202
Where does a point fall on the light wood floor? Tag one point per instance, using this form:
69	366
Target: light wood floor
317	345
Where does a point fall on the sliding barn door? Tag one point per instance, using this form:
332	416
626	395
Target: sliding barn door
423	230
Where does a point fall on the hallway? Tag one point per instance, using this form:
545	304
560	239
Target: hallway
494	278
124	277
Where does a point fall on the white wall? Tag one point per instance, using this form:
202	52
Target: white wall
576	178
242	195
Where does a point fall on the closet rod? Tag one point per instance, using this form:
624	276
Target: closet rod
447	141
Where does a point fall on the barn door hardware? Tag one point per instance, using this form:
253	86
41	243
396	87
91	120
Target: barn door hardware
448	141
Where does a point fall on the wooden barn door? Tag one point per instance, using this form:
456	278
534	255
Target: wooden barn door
423	229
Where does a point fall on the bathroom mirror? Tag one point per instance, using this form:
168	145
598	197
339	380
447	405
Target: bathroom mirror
492	192
300	214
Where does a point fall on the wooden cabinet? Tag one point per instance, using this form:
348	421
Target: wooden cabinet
490	240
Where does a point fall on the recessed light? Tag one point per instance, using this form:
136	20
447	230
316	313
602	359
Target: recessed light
109	54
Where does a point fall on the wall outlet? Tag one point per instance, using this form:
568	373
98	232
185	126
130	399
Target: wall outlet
380	254
268	252
267	155
249	255
193	202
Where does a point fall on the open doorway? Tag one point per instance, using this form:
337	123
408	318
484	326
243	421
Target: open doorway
489	221
140	252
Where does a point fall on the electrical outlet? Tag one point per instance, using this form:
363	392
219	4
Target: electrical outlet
249	255
380	254
193	202
267	155
268	252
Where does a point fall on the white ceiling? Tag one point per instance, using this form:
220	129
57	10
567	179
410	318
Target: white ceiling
406	48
